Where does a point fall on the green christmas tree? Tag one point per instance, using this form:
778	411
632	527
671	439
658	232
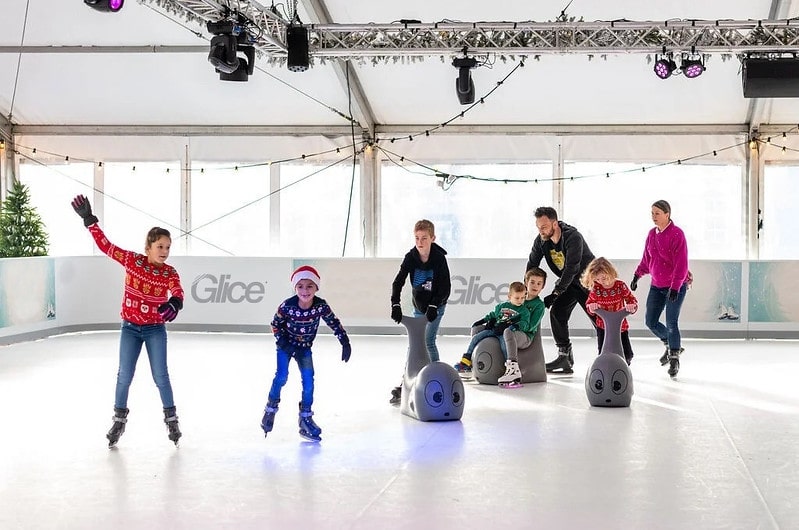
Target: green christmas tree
22	232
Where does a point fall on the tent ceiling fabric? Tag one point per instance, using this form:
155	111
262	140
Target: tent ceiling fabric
156	72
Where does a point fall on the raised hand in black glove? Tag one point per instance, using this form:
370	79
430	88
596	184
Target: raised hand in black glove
396	313
432	313
169	309
634	283
83	208
673	295
346	351
550	298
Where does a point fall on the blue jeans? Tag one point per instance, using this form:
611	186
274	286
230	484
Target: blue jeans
131	338
305	363
480	335
656	301
431	331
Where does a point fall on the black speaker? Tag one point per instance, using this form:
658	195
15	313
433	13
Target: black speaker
770	78
297	44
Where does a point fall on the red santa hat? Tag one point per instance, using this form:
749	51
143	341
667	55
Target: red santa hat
306	272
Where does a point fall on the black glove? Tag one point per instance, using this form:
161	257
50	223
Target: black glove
169	309
673	295
490	323
550	298
500	328
480	323
83	208
634	283
396	313
432	313
283	343
346	351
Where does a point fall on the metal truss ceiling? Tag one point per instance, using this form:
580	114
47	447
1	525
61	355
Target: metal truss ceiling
384	41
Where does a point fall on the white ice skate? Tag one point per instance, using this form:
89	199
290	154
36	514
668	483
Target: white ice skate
512	377
731	314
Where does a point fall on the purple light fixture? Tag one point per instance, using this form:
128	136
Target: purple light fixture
664	66
692	68
105	5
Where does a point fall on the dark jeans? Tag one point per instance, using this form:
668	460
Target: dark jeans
625	343
656	302
305	363
561	310
431	332
131	339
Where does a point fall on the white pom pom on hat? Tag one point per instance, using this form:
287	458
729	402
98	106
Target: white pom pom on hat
306	272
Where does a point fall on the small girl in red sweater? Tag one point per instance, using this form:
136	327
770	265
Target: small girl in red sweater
152	296
606	291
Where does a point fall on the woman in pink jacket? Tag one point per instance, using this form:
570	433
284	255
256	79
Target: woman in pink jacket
666	259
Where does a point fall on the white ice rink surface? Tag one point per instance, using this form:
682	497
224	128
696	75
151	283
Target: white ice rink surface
716	448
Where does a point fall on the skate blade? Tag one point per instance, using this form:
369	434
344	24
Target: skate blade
515	384
310	437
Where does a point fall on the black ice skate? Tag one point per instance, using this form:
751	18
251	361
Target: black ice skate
664	359
268	420
396	395
171	420
308	429
563	364
120	419
674	362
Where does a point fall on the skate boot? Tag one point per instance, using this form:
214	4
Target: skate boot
513	375
464	367
308	429
664	359
674	362
120	419
563	364
268	420
396	395
171	420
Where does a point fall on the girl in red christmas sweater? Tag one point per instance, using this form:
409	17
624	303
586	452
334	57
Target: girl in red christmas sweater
145	308
606	291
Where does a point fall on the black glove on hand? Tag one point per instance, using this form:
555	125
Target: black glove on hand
480	323
432	313
673	295
634	283
83	208
490	323
283	343
500	328
550	299
169	309
346	351
396	313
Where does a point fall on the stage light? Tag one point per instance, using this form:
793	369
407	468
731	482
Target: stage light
105	5
692	67
297	47
464	86
229	40
664	66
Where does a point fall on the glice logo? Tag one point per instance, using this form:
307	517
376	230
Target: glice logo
474	292
210	289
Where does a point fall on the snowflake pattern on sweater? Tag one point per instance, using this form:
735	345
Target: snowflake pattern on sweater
299	326
612	299
146	286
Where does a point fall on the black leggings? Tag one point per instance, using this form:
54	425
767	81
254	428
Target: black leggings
625	343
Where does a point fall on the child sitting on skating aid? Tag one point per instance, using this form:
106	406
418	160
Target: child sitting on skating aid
295	325
606	291
511	323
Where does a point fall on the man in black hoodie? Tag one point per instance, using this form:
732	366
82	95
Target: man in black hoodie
567	255
426	265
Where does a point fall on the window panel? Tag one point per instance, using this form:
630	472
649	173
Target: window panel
52	189
614	212
473	218
779	238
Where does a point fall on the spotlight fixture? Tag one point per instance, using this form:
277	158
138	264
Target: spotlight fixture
297	45
464	86
692	66
105	5
229	40
664	66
